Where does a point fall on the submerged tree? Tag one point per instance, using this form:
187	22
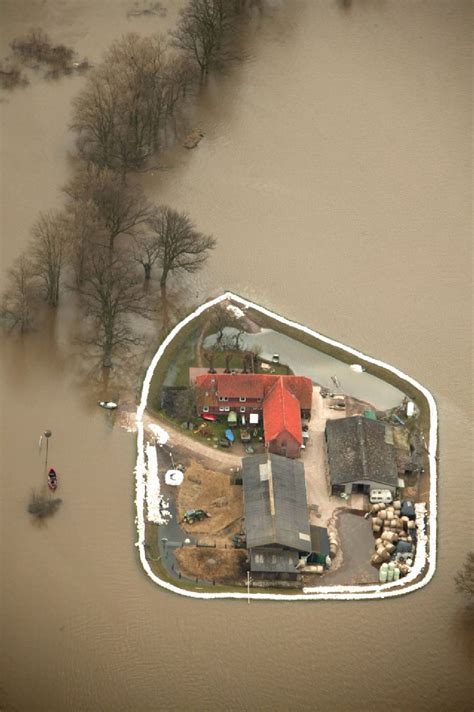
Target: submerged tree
18	305
85	231
128	100
119	207
48	252
146	252
464	579
181	248
202	31
43	505
111	292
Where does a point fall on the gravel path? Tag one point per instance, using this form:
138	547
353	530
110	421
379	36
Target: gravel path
193	447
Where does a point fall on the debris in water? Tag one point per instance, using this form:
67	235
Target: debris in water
193	138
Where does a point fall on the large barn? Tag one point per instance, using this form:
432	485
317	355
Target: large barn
276	515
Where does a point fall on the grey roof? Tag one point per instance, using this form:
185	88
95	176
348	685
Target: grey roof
273	560
360	449
319	540
276	510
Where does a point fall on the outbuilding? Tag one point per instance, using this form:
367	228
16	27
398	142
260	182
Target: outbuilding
361	456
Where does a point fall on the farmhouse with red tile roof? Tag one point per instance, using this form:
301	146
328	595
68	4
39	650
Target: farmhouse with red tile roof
282	400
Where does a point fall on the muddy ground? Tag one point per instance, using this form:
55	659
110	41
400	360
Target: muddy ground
212	491
209	564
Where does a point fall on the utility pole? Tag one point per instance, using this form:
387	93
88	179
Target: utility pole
249	581
47	434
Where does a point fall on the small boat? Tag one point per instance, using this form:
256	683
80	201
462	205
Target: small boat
108	405
52	479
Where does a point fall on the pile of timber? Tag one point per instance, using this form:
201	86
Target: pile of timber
333	538
390	527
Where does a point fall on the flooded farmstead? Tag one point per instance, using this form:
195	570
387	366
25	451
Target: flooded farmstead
231	422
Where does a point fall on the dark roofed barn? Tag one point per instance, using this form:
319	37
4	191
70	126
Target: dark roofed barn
361	455
276	512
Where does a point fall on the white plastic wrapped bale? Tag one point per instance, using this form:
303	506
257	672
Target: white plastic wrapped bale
174	477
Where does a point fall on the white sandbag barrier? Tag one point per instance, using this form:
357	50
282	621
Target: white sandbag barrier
424	555
157	507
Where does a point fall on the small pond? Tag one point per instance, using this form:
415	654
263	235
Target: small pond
306	361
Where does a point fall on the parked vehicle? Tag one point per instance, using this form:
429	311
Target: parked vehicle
408	509
380	496
239	541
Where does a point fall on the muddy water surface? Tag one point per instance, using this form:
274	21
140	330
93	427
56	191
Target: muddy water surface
335	175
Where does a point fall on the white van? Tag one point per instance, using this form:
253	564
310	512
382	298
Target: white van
383	496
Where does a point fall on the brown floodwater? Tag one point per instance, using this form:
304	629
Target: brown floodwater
335	173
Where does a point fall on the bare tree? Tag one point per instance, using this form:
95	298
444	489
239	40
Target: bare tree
127	101
48	252
210	356
120	207
228	359
224	318
464	579
111	292
185	404
181	247
201	31
18	304
85	230
146	252
42	505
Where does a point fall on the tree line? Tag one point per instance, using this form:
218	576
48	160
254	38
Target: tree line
107	228
77	248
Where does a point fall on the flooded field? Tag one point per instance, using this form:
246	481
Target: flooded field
334	173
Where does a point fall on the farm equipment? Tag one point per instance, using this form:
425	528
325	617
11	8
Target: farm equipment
195	515
239	541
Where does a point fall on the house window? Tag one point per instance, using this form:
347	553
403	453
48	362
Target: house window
274	559
259	559
223	399
242	409
226	408
221	408
242	399
205	409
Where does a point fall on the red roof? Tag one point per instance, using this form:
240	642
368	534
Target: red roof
282	397
250	385
281	413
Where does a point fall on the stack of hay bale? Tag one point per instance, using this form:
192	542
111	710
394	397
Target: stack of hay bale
389	528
